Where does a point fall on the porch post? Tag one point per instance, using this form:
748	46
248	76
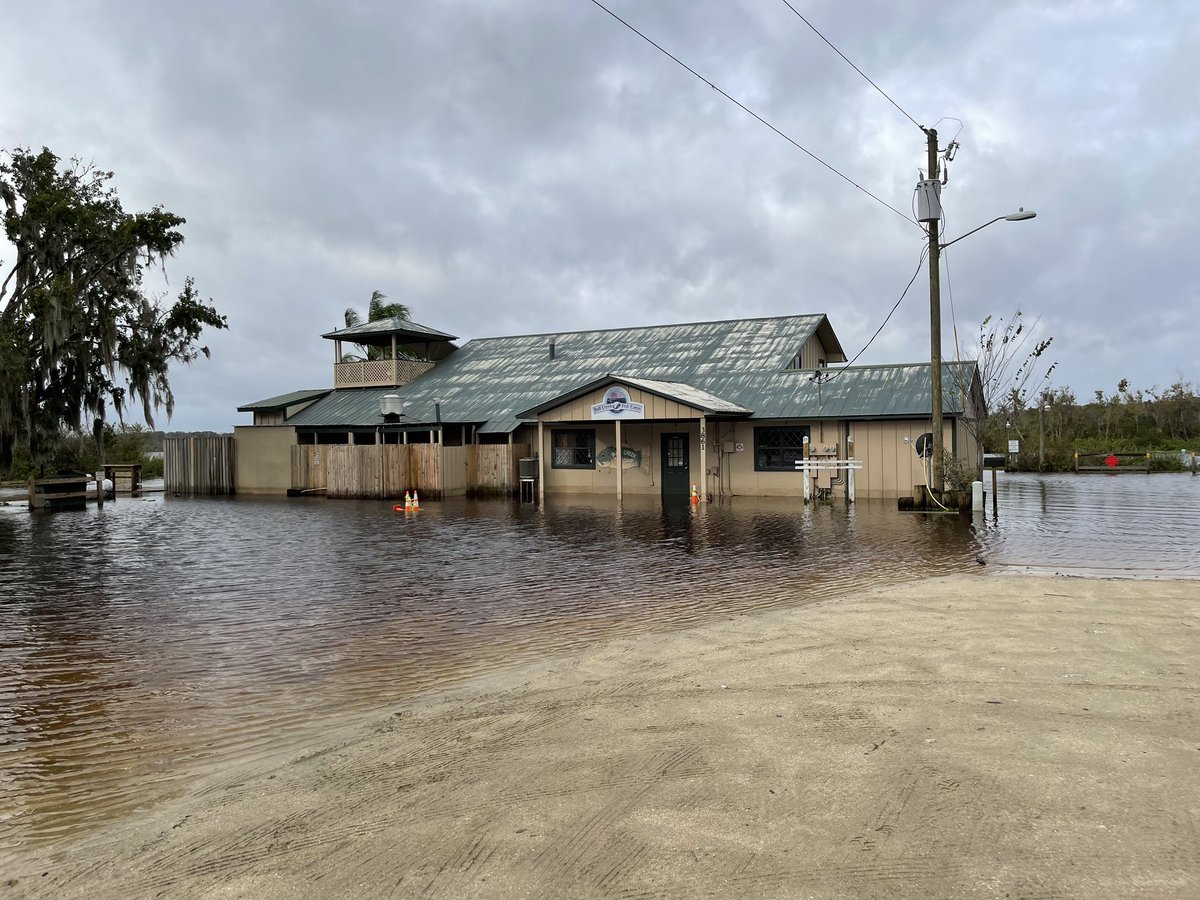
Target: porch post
620	468
850	472
395	363
804	456
703	459
541	458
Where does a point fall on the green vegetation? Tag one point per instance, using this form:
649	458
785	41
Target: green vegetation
1126	421
79	335
124	443
376	310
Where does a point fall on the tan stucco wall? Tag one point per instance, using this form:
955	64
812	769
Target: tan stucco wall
263	458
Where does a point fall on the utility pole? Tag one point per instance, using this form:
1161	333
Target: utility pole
1041	436
935	327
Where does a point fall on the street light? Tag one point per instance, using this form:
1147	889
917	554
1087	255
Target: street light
1020	215
935	309
935	316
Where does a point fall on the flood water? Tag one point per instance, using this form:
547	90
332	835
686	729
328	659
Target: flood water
158	642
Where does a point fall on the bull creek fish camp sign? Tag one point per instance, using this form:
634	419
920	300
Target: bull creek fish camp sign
617	405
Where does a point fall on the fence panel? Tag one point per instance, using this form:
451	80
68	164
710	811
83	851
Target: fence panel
201	465
492	469
308	468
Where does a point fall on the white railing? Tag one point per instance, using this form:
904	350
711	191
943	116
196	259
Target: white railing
810	468
379	372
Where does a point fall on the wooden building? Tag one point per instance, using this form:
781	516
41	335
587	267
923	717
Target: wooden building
729	406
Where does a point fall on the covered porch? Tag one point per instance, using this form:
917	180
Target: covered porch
630	435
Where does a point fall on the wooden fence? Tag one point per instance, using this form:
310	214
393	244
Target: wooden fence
198	465
370	470
388	470
492	469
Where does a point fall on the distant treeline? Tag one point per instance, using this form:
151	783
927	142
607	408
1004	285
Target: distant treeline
1127	421
78	453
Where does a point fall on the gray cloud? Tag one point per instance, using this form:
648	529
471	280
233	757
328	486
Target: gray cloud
505	167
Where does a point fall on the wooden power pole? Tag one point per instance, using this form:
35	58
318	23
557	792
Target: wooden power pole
935	328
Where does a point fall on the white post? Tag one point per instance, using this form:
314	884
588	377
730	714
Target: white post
805	457
849	462
703	459
541	458
620	468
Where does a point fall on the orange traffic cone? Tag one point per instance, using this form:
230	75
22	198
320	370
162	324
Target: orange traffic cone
416	502
407	502
695	496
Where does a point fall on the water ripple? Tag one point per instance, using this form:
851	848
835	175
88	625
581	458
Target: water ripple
156	641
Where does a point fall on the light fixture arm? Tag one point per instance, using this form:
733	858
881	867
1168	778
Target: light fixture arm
1011	217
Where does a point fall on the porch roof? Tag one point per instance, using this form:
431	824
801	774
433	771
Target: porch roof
679	391
283	401
381	331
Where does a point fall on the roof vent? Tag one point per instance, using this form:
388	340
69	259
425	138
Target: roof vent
391	406
551	348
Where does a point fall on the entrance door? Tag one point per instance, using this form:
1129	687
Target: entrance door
676	480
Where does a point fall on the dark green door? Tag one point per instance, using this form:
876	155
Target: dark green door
675	472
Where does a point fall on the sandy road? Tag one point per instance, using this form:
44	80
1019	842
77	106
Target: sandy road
964	736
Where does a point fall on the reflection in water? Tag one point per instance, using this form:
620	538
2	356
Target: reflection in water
157	640
1109	525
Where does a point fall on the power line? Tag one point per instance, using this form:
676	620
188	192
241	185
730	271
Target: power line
853	66
896	306
747	109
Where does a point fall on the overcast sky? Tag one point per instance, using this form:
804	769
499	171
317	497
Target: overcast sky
517	166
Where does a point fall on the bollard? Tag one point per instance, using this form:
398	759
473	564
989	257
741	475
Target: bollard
976	496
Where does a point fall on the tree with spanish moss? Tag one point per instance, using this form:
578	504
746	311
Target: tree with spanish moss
80	337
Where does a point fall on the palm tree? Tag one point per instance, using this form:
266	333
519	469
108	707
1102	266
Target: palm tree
376	309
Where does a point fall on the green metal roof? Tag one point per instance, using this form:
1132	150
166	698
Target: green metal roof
742	362
283	401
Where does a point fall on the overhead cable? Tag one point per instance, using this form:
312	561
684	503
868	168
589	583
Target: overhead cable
853	66
836	373
751	112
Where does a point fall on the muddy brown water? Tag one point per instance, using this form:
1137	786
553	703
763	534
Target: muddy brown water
158	642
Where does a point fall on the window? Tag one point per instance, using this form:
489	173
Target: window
776	449
574	449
